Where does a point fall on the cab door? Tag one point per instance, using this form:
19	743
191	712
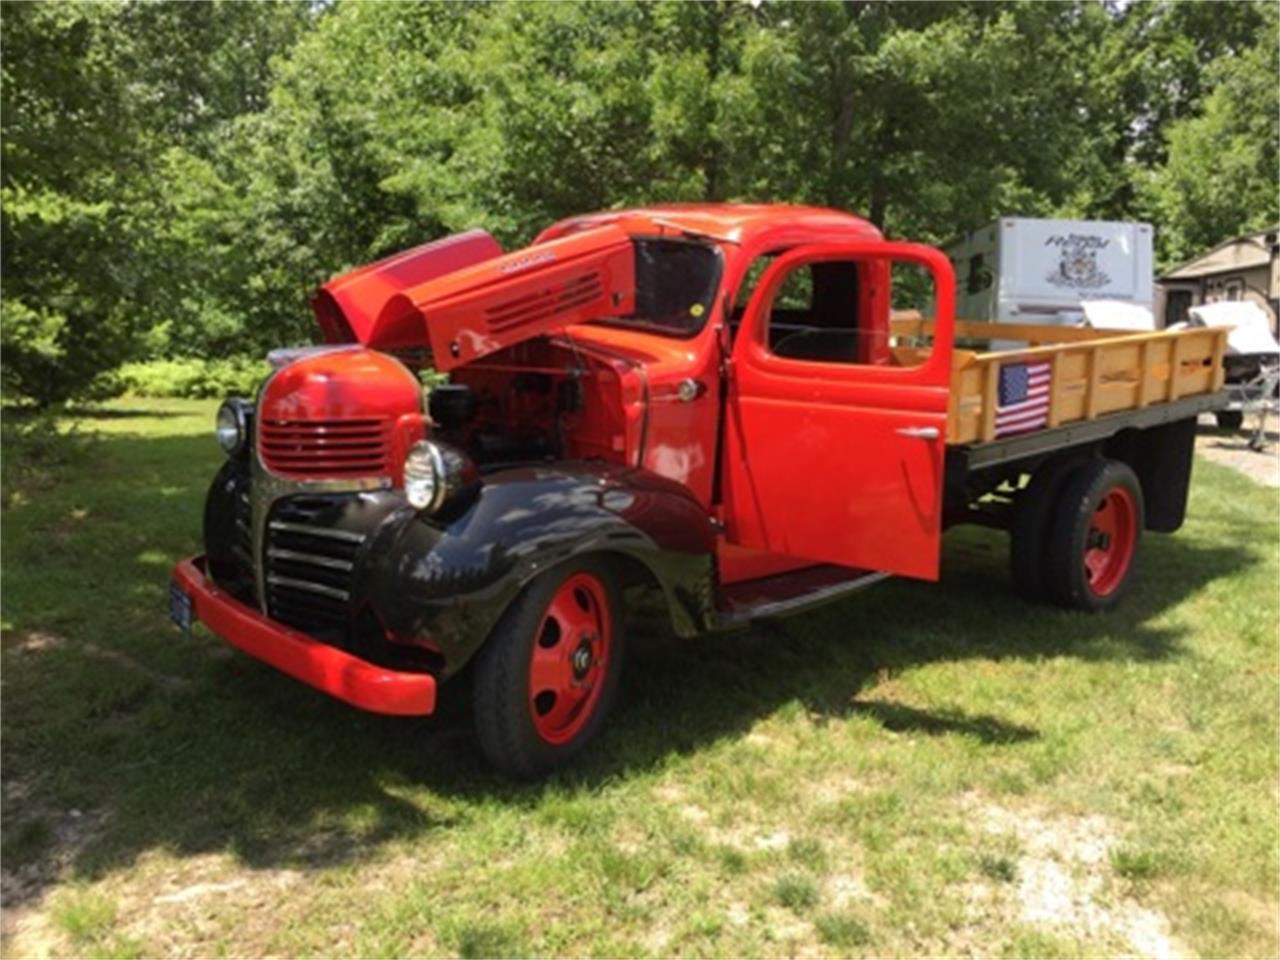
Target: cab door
834	449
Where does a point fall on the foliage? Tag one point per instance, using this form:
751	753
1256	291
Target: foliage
96	97
36	453
178	177
1220	176
192	377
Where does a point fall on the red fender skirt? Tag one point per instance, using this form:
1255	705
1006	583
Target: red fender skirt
336	672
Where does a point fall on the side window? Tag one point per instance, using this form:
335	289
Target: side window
979	275
749	283
747	288
817	313
853	312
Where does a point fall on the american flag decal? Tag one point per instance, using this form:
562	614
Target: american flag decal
1023	400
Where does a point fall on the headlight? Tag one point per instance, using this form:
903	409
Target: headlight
232	425
434	473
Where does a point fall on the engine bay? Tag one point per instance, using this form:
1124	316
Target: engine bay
539	400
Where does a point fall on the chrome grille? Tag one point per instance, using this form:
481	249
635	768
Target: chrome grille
243	545
309	563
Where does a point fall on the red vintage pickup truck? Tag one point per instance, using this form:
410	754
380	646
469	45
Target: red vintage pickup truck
750	409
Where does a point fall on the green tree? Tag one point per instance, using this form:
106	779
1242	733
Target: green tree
1220	178
1148	67
94	97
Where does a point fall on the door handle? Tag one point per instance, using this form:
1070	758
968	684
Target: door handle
924	433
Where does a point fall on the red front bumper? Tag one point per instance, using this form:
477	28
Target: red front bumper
337	673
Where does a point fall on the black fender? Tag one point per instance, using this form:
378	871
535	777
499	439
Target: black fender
444	581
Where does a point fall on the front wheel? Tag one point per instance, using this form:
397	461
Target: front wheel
546	677
1097	530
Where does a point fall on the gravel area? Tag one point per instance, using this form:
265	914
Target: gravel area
1231	448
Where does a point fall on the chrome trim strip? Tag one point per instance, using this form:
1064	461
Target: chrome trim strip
348	536
308	586
315	559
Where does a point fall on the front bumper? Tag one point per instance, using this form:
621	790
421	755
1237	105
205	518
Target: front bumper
335	672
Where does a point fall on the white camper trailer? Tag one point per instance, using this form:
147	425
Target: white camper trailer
1021	270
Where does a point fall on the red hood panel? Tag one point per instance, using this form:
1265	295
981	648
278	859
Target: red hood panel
475	308
519	296
350	307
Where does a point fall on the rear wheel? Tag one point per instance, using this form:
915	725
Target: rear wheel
1097	531
1230	419
1032	520
547	675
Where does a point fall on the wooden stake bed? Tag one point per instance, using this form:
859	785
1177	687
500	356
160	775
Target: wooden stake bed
1093	373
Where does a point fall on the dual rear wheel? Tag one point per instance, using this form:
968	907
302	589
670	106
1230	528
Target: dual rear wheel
1076	534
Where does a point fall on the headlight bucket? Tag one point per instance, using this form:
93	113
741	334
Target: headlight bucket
232	425
434	474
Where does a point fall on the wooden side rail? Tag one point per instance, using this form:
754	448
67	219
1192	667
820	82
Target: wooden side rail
1089	378
1092	372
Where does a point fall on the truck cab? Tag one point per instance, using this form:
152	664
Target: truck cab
711	400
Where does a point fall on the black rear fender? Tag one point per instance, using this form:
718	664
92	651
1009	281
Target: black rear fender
1161	457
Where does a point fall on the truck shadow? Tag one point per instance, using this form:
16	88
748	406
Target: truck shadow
193	749
826	659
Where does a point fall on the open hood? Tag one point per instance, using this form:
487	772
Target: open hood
348	306
462	298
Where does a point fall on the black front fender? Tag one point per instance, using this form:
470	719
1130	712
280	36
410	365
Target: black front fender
448	579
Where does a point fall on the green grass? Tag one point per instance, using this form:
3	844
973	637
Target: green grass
903	773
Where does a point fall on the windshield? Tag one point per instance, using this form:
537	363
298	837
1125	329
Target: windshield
676	282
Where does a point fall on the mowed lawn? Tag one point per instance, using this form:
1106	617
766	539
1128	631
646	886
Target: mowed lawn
922	769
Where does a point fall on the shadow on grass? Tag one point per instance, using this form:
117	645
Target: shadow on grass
113	413
898	718
192	749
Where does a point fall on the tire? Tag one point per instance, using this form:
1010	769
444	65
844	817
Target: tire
1032	518
1096	537
1230	419
548	673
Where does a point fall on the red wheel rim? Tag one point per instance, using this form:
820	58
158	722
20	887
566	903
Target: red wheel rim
1108	548
571	651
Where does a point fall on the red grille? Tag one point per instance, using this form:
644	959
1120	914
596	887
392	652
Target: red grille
316	449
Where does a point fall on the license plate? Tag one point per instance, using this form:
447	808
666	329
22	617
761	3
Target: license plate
180	607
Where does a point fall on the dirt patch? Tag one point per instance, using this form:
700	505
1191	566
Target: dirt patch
1061	878
188	905
35	642
1230	448
22	887
65	834
845	889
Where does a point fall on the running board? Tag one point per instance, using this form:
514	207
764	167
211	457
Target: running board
789	593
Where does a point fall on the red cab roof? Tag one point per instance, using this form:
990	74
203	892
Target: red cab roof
463	298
